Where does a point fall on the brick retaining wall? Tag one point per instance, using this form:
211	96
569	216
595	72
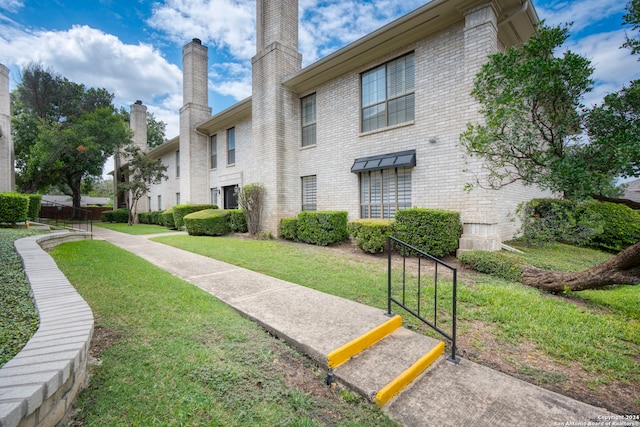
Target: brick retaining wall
41	382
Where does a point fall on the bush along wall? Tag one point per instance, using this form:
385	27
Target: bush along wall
154	217
434	231
14	207
237	221
167	219
619	225
322	227
179	211
287	228
120	215
35	200
370	235
208	222
493	263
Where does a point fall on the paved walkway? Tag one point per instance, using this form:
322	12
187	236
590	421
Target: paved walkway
447	394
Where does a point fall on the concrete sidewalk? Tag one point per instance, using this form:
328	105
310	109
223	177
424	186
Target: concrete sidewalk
447	394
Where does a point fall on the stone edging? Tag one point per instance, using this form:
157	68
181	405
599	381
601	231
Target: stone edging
41	382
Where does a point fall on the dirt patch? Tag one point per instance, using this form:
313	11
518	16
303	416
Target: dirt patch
102	339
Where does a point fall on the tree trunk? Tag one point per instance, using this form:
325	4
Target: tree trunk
622	269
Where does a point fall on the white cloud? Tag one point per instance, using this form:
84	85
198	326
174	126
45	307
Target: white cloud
11	5
96	59
224	24
582	13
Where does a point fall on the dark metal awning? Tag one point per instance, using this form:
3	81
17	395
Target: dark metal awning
384	161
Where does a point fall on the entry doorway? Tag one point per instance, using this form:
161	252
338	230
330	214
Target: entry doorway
230	197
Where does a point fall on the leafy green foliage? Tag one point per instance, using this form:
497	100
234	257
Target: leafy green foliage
493	263
620	225
120	215
633	17
530	98
180	211
251	200
322	227
370	235
35	200
154	217
14	207
434	231
287	228
237	221
18	316
208	222
167	219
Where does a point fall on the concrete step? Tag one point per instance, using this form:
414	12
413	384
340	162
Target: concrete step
384	369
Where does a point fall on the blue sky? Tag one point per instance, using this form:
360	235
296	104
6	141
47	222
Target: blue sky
133	47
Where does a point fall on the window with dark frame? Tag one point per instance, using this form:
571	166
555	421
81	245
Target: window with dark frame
309	193
159	202
308	122
387	94
177	198
214	195
213	149
231	146
178	164
384	192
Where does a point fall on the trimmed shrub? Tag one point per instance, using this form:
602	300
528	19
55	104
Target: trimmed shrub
237	221
208	222
14	207
434	231
322	228
120	215
150	217
619	225
493	263
287	228
370	235
167	219
179	211
35	200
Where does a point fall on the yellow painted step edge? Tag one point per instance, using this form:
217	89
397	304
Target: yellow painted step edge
387	392
340	355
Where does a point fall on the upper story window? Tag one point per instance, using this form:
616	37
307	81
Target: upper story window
178	164
308	107
231	146
213	149
388	94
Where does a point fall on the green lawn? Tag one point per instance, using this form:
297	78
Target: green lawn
135	229
174	355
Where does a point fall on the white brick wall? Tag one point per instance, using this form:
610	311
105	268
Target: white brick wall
7	177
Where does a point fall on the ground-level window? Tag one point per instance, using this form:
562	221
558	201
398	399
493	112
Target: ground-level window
177	198
213	149
384	192
159	202
231	146
214	196
149	203
309	194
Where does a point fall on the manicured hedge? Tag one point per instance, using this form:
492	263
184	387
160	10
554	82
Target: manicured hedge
154	217
287	228
493	263
208	222
179	211
35	200
620	225
14	207
120	215
370	235
322	227
434	231
237	221
167	219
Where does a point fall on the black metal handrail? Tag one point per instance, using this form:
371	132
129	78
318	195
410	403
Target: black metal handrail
407	250
67	216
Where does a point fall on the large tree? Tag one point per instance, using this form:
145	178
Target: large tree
63	131
537	131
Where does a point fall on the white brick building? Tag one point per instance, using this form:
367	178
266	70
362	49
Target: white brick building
369	129
7	176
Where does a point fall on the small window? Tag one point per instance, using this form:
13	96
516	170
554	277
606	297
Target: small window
159	202
388	94
231	146
149	203
178	164
177	198
214	196
384	192
309	193
308	107
213	149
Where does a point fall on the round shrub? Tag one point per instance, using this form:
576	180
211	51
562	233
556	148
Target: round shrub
619	225
493	263
179	211
208	222
434	231
370	235
14	207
